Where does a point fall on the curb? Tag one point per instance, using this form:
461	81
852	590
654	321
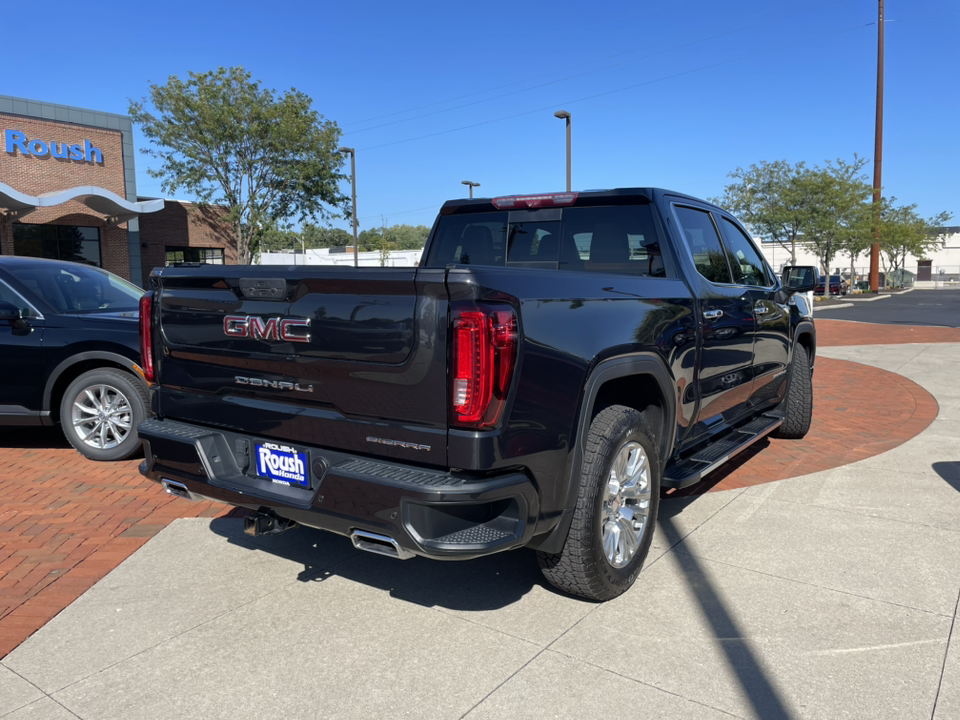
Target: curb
834	307
876	297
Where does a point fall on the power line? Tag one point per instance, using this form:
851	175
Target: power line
569	77
617	90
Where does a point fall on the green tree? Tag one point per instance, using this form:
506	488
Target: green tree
270	159
768	197
316	236
837	216
408	237
903	232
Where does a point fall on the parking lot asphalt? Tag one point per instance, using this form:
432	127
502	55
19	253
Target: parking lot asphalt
917	307
825	595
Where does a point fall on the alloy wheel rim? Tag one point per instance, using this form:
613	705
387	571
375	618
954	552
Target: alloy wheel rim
626	505
102	417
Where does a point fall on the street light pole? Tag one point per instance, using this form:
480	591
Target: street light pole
877	159
472	185
353	185
564	115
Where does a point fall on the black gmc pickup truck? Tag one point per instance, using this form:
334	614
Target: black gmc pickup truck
553	363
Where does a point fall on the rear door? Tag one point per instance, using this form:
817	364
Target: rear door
725	379
346	358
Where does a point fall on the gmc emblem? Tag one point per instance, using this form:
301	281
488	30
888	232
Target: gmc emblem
289	329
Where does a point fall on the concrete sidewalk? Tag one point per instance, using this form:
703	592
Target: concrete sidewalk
829	595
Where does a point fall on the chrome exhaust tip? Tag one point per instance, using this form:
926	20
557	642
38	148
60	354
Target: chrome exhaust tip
177	489
379	544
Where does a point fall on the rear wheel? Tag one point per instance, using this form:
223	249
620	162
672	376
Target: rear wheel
616	509
798	402
100	412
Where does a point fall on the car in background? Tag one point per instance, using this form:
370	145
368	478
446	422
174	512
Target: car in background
69	348
838	286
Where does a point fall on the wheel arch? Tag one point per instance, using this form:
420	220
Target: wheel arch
638	380
74	366
806	335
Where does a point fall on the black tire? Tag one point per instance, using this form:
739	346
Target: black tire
798	403
127	396
582	567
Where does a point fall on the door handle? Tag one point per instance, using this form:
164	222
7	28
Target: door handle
712	314
761	309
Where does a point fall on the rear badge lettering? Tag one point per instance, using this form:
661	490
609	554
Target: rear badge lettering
397	443
275	384
258	328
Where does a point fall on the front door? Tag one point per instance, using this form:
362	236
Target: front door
771	341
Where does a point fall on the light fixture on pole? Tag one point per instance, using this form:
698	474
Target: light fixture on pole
471	185
564	115
353	185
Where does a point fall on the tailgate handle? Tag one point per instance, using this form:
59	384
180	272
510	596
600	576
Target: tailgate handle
263	288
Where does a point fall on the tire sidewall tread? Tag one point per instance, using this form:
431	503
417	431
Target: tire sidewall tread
581	567
136	395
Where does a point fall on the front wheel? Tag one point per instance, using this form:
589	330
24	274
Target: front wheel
616	509
100	412
798	402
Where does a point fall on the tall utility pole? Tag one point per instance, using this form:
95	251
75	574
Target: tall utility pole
564	115
877	158
353	185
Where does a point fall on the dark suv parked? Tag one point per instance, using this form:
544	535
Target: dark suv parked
69	342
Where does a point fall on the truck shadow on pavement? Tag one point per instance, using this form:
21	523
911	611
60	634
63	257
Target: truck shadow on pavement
497	581
949	471
33	438
487	583
759	689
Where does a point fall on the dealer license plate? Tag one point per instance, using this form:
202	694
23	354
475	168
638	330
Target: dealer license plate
282	464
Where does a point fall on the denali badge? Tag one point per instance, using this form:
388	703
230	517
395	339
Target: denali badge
272	329
397	443
275	384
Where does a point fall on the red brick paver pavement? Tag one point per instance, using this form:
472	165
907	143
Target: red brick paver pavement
845	332
66	522
859	411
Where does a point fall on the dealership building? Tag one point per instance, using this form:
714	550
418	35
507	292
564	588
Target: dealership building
68	190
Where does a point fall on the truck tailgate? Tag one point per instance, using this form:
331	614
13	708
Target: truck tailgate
359	365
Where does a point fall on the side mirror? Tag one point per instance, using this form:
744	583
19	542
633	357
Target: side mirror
9	312
800	278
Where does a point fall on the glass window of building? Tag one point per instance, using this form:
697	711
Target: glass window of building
58	242
207	256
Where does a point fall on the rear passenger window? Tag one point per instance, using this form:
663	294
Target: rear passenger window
748	267
703	242
620	240
474	239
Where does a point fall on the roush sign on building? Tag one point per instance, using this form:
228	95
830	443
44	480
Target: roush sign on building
16	141
68	191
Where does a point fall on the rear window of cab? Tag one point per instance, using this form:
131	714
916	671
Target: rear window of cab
620	239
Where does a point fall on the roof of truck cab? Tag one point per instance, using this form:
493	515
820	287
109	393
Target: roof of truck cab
649	193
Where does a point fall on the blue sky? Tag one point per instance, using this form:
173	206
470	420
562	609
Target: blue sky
431	93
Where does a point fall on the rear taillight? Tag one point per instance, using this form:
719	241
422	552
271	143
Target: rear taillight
511	202
484	355
146	337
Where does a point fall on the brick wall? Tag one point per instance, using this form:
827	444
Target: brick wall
38	175
183	224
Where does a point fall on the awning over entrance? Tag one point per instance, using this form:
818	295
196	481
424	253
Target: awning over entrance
15	204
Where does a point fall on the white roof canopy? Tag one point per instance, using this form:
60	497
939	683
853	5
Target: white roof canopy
15	204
